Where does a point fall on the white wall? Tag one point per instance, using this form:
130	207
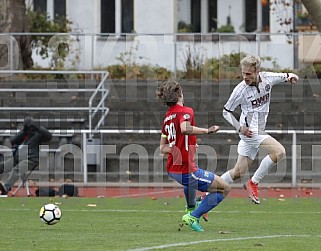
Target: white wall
85	16
161	17
155	16
161	51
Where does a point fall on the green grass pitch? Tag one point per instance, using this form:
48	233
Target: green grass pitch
146	224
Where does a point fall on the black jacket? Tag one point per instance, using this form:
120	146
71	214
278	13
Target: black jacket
32	137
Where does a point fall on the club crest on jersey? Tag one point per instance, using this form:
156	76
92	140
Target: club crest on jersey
186	116
267	87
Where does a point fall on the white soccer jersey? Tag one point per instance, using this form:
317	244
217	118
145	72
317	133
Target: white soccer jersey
254	100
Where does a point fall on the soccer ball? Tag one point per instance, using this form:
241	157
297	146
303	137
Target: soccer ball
50	214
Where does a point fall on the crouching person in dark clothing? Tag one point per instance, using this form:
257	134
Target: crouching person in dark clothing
25	152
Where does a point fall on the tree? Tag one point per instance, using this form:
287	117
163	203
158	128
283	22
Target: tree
14	20
39	23
314	9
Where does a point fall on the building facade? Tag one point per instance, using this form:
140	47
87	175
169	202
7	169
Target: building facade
152	32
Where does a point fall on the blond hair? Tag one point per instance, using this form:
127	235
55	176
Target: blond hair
251	61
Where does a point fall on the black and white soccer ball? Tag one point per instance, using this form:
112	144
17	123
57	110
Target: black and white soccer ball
50	214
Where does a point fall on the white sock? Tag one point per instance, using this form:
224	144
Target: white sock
265	166
227	177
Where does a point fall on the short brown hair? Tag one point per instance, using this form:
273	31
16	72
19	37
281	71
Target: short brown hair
169	92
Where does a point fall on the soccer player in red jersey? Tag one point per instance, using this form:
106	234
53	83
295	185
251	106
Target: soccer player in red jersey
178	143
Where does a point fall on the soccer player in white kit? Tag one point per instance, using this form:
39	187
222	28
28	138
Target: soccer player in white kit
253	95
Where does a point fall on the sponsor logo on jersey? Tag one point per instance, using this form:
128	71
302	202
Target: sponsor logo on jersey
261	100
170	117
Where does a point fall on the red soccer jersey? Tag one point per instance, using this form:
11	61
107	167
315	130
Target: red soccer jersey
181	157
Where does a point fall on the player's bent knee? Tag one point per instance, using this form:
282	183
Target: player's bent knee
219	185
227	189
280	154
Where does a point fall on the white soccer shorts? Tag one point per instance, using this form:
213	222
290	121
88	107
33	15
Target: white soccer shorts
249	147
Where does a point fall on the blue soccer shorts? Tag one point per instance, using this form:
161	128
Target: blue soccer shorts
199	180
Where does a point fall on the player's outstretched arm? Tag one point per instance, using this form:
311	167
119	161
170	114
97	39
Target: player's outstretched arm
187	128
293	78
213	129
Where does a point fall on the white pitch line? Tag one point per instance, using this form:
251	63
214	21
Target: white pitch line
218	240
147	193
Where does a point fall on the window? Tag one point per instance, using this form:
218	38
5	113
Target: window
110	10
40	6
196	15
59	8
251	15
266	16
107	16
212	15
209	21
127	14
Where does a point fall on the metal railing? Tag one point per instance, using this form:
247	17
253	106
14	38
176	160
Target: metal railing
85	134
102	89
99	109
294	160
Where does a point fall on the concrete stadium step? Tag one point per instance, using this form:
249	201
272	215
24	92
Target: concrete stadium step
134	106
50	120
153	120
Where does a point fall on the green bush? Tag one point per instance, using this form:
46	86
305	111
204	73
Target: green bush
311	71
183	27
226	29
226	67
140	72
